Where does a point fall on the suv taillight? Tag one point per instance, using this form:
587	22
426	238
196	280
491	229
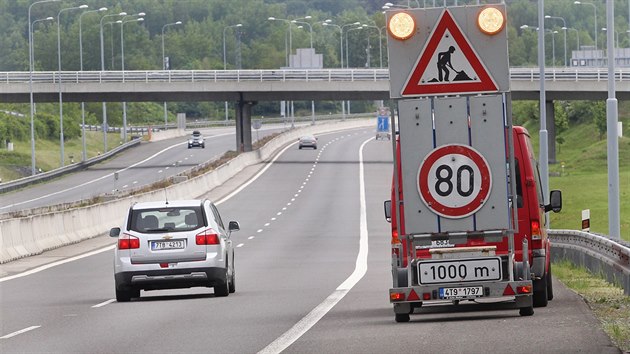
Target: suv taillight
207	237
127	241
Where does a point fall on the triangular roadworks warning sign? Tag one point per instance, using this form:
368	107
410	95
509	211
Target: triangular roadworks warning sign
448	65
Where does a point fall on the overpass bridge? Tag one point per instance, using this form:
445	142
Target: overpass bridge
246	87
277	85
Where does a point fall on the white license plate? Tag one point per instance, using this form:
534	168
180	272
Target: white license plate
437	244
168	245
466	292
459	270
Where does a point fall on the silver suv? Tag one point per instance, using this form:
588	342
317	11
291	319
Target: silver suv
173	244
196	140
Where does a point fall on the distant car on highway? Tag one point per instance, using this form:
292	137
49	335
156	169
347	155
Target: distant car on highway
173	244
196	140
307	141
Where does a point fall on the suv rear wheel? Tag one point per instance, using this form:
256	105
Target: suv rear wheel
126	295
223	289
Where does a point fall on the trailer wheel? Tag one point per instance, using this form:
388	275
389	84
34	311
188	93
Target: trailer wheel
402	317
549	285
526	311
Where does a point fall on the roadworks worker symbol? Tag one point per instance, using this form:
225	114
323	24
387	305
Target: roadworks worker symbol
448	64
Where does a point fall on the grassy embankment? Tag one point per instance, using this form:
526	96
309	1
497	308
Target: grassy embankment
584	184
48	155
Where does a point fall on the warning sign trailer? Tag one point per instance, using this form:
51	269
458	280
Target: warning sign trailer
454	237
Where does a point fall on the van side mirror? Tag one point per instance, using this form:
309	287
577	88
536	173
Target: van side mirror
234	226
387	205
114	232
555	201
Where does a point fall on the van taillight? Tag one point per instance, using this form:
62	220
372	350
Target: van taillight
536	235
127	241
207	237
395	239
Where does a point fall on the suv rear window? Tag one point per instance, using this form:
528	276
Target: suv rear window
166	219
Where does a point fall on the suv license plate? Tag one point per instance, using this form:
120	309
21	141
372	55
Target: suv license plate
466	292
168	245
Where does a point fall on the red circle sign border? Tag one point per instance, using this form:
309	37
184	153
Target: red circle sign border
441	209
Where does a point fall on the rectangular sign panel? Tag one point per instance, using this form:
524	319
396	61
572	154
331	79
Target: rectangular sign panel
447	53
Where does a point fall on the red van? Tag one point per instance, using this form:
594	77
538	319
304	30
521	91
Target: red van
532	226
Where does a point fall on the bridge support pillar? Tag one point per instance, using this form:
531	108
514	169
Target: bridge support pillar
551	131
244	125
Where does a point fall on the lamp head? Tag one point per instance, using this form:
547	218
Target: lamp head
239	25
178	22
102	9
83	6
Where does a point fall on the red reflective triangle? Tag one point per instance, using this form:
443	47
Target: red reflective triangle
508	291
412	296
414	86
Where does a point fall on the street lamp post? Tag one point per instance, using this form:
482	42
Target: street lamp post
122	54
564	27
306	23
103	69
164	66
30	81
380	48
616	41
84	154
577	36
225	62
553	46
59	78
595	13
288	54
311	32
328	22
348	35
342	27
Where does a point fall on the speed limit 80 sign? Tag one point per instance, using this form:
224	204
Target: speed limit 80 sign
454	181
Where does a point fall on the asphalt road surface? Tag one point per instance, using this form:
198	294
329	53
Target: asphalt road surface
136	167
312	276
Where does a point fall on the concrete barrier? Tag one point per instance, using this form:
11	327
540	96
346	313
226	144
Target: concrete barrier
34	234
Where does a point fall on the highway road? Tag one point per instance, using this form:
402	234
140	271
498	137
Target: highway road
140	166
312	274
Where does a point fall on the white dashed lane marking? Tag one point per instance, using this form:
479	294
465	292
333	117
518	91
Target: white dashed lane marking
19	332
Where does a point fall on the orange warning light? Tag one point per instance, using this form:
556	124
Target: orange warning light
490	20
401	26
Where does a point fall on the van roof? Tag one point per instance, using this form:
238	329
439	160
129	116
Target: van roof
170	204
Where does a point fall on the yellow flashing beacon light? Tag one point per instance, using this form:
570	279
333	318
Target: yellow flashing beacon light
490	20
401	26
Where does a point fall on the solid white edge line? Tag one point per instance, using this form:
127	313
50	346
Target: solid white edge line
308	321
54	264
103	303
19	332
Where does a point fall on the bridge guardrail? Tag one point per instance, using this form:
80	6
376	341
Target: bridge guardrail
281	75
597	253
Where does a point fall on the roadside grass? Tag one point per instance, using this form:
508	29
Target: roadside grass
48	154
584	178
608	302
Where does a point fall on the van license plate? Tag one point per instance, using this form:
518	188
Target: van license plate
466	292
168	245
